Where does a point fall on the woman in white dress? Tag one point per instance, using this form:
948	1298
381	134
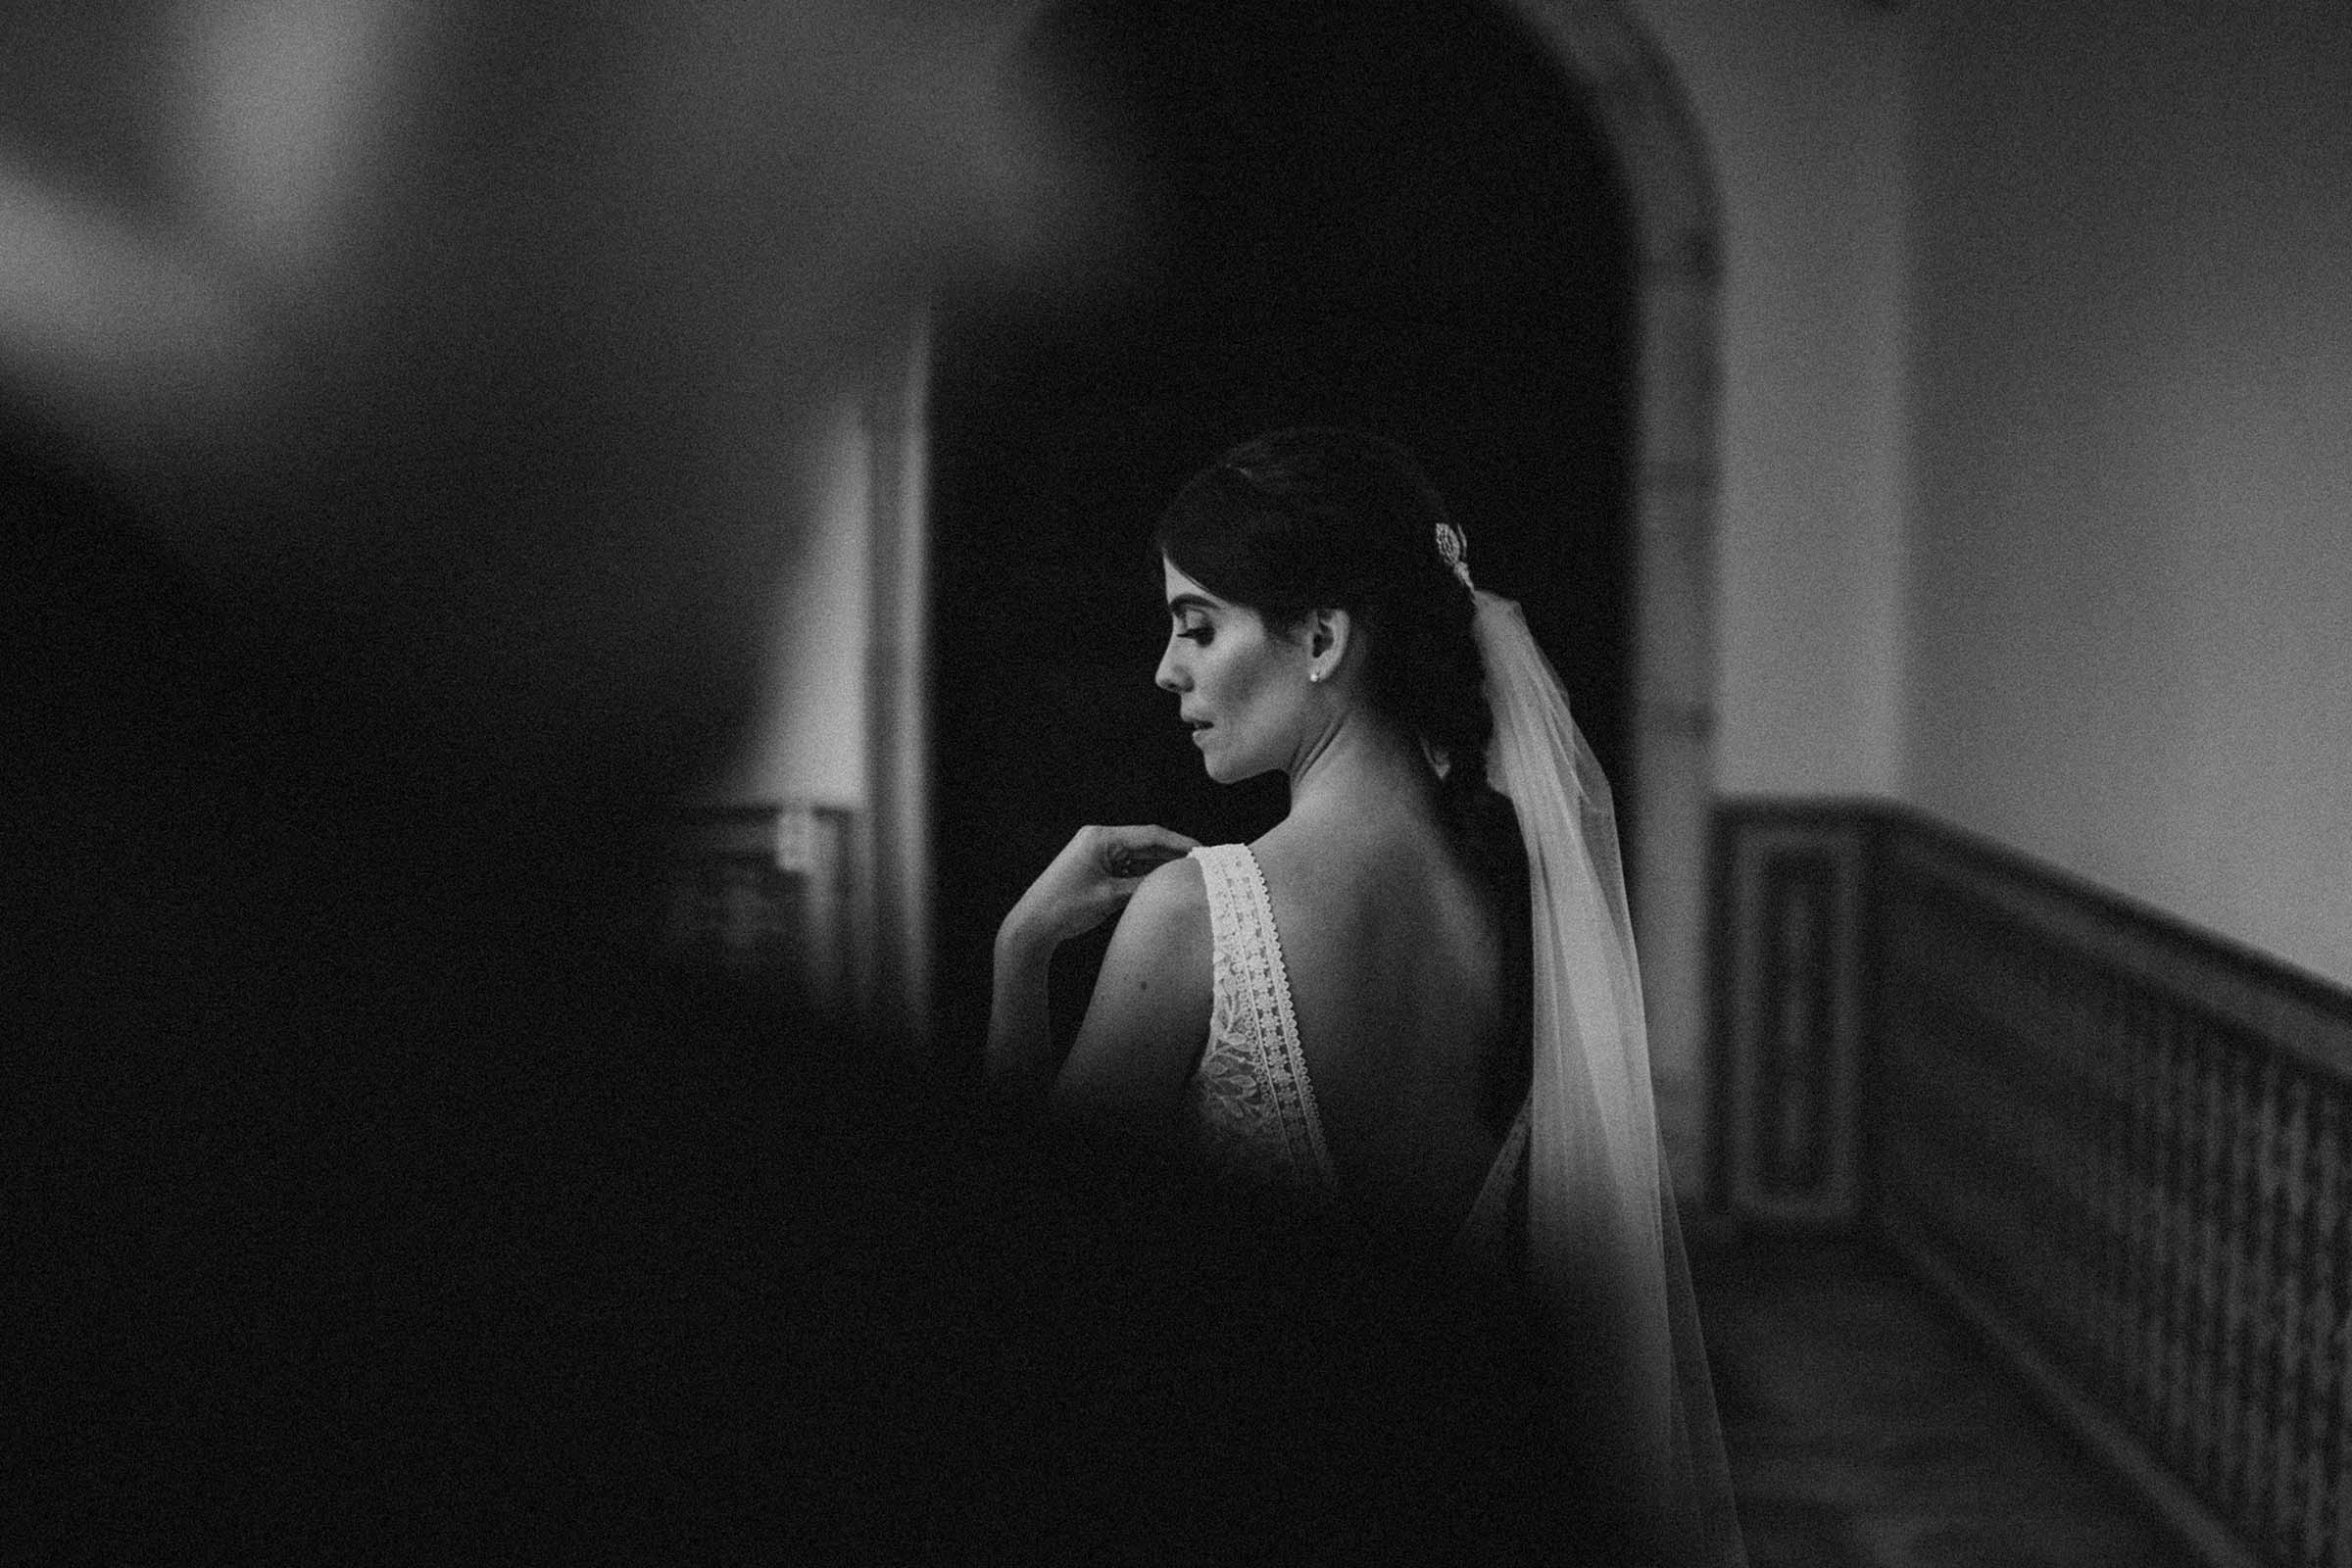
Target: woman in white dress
1414	1000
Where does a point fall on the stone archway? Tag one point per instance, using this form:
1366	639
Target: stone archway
1632	91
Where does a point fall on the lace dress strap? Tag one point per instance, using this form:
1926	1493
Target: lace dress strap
1256	1105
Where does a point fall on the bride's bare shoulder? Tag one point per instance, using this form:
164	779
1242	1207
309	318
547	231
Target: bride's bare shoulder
1173	891
1163	934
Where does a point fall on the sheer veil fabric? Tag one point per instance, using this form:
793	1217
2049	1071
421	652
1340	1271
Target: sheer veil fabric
1604	1248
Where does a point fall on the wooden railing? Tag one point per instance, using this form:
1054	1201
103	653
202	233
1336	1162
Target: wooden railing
2122	1147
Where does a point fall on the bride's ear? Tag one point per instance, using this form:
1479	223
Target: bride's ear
1330	633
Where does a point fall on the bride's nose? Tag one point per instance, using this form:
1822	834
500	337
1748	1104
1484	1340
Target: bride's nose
1166	677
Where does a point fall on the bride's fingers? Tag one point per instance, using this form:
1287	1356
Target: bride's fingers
1136	851
1152	839
1134	864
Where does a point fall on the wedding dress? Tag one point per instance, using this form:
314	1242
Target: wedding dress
1252	1099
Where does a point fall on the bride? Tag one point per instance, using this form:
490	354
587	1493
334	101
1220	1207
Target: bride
1414	1002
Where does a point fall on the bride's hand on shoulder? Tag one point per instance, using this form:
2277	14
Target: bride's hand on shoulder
1091	880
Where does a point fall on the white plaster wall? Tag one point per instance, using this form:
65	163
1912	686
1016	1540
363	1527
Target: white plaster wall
1800	102
2131	358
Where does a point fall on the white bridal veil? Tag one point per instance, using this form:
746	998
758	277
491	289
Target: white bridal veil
1604	1248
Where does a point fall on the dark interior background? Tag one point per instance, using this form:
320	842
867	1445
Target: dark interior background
1389	215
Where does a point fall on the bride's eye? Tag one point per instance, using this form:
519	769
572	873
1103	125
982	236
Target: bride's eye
1194	634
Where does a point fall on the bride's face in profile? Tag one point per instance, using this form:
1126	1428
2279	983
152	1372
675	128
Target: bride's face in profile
1240	686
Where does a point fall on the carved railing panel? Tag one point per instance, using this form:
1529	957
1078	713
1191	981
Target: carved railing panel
2121	1145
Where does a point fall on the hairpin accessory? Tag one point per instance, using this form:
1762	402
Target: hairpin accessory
1449	545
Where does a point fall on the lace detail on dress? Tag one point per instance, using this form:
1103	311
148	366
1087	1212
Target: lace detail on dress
1254	1104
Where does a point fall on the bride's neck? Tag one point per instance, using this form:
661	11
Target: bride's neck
1366	769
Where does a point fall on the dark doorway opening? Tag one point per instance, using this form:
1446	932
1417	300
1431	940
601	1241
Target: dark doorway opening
1384	215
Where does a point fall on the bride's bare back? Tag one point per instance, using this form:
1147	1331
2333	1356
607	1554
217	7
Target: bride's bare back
1402	993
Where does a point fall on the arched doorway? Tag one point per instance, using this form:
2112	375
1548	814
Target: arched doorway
1417	233
1043	606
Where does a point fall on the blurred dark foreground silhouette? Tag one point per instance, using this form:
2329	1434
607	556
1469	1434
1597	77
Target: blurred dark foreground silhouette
404	425
377	1201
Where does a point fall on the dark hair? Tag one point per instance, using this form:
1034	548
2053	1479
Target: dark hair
1318	518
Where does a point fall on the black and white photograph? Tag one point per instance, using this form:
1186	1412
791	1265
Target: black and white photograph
1177	782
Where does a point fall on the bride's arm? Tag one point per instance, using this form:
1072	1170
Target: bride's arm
1095	875
1149	1015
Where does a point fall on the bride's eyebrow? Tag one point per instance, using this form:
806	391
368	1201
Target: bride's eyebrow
1184	602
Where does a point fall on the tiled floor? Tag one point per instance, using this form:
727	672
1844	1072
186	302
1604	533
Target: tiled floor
1869	1429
